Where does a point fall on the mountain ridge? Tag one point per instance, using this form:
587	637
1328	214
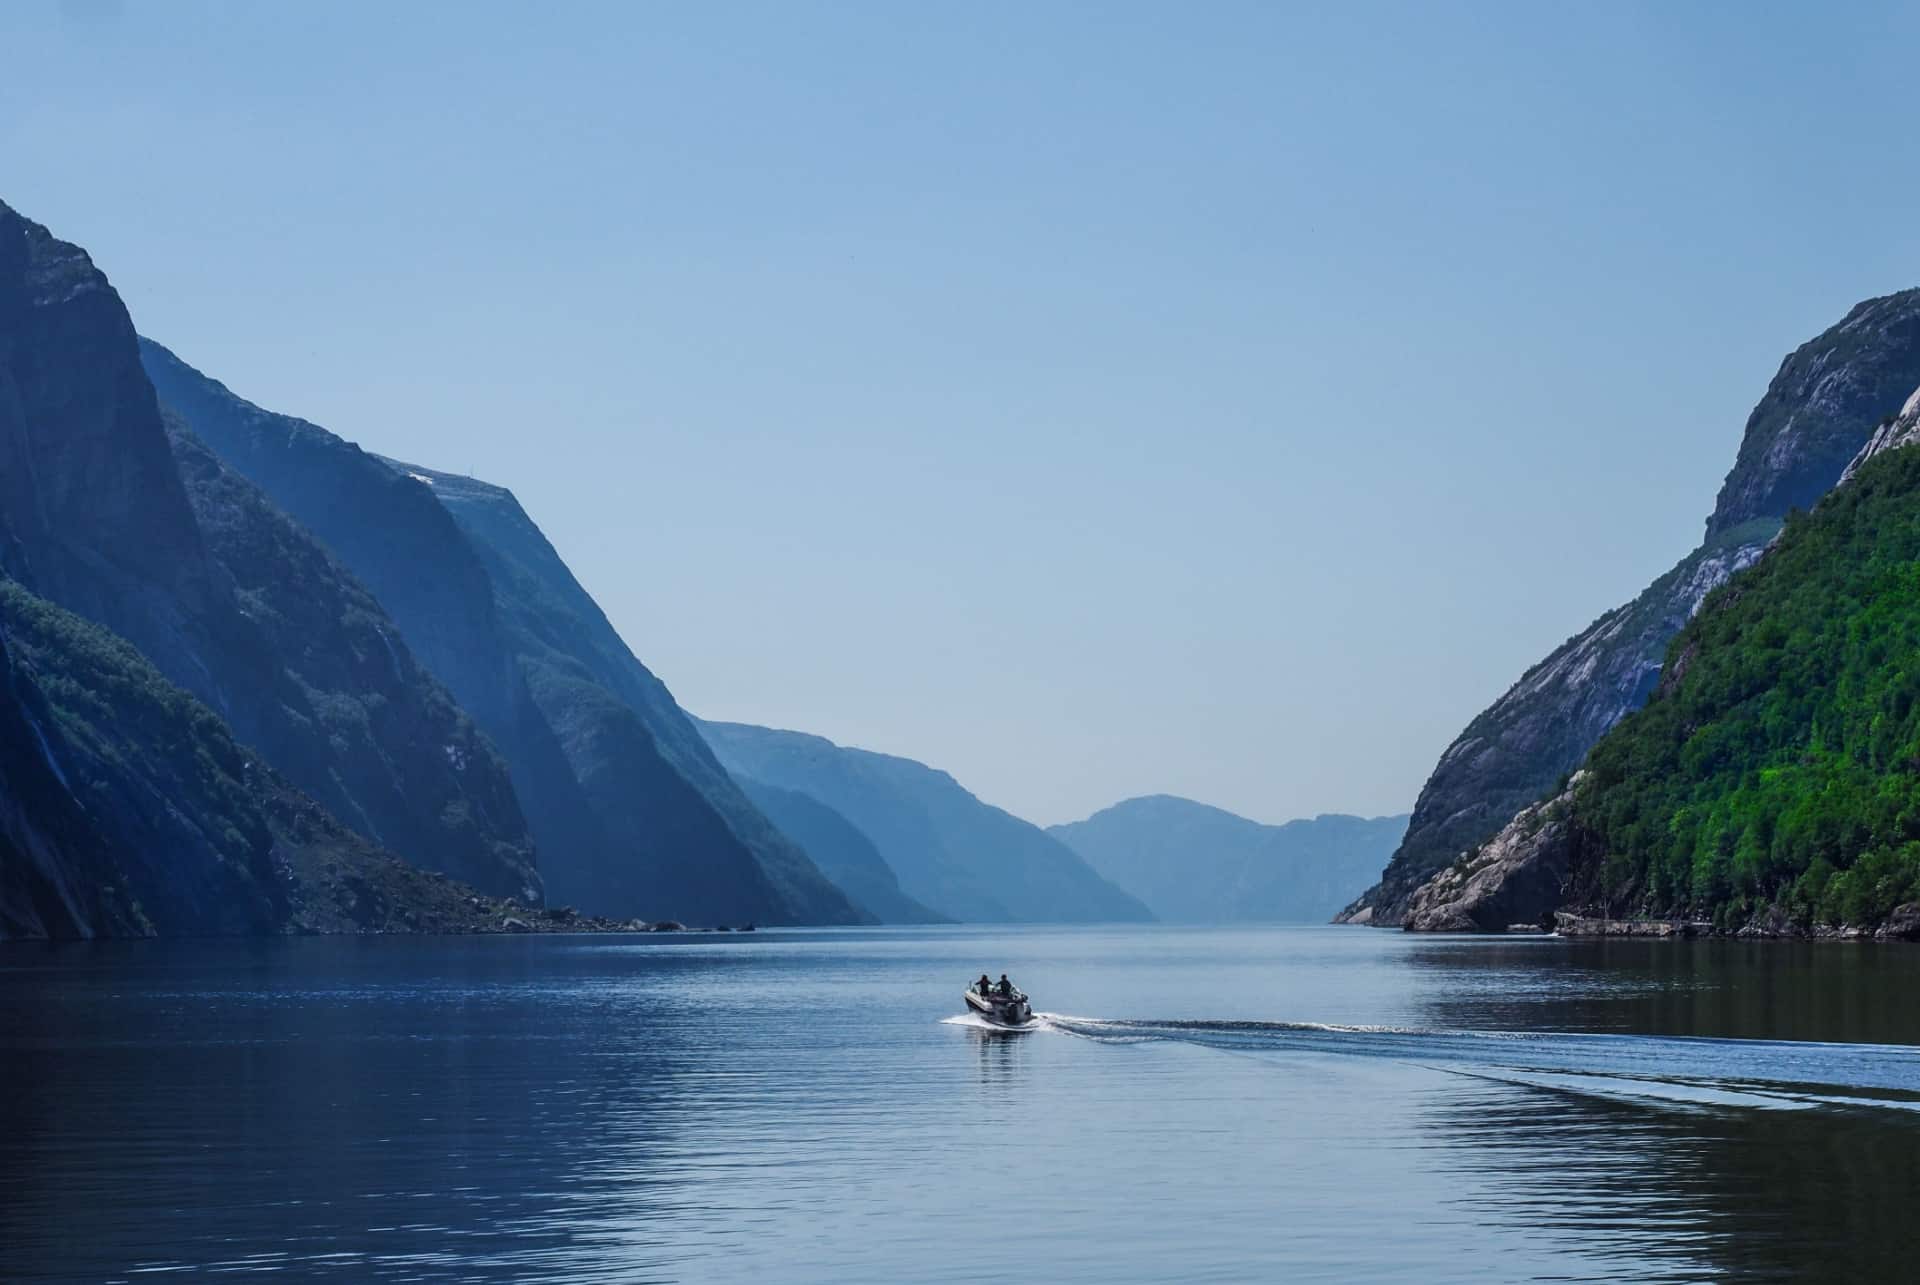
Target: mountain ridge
629	818
99	520
951	851
1194	862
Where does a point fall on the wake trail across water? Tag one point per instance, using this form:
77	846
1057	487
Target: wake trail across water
1680	1070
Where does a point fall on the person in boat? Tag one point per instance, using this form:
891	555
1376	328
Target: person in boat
1006	987
985	987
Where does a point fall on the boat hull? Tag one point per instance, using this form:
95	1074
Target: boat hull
1012	1014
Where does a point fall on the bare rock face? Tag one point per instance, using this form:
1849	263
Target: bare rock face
1828	396
1903	924
1902	430
1516	877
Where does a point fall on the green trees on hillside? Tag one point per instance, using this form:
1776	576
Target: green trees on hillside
1779	765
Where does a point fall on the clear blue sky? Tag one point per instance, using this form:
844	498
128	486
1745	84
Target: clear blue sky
1228	400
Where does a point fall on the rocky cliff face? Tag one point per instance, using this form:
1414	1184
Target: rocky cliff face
1828	396
58	875
1902	430
683	840
1518	877
1822	407
632	815
963	858
1198	864
94	516
127	808
99	521
393	535
403	763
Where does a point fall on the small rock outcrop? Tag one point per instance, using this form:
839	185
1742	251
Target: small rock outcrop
1902	430
1903	924
1516	877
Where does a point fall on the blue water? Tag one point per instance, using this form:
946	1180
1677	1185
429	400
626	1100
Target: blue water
1230	1104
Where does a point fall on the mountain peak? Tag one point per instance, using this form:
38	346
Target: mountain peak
1819	409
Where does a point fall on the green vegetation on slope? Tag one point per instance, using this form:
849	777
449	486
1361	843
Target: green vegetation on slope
1779	764
127	808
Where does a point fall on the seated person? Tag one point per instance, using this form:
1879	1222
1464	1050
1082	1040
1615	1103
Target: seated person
1006	987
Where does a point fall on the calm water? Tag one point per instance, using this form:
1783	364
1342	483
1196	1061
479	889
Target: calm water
1305	1103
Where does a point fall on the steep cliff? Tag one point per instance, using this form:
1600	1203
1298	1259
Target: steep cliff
1194	863
632	815
58	873
681	829
1518	877
403	763
1816	412
127	808
1820	409
962	858
843	853
98	520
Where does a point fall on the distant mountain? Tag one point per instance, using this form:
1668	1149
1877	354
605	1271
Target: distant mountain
1826	401
216	590
1193	863
842	852
954	854
632	814
127	809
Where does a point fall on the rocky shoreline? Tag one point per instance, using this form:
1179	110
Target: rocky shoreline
509	917
1774	925
1902	925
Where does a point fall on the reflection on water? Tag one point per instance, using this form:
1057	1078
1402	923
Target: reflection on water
1842	992
1313	1104
1751	1194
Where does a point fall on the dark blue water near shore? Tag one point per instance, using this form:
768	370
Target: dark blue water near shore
1306	1104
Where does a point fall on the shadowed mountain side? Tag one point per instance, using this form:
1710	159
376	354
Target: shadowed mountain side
127	809
842	852
1199	864
97	519
958	856
682	828
413	769
632	815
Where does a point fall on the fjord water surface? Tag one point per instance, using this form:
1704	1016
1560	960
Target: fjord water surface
1230	1104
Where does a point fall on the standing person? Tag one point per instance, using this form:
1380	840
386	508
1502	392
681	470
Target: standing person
986	987
1006	987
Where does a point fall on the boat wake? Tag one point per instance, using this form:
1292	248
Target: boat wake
1674	1070
974	1021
